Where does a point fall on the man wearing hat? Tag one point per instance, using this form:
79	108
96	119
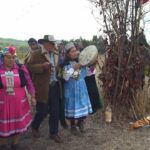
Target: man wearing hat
42	65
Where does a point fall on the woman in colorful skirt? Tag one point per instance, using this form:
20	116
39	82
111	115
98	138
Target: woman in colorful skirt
77	102
15	114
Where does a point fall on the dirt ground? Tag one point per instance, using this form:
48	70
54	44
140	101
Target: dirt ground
98	136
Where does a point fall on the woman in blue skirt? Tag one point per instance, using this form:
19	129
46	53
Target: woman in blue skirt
77	102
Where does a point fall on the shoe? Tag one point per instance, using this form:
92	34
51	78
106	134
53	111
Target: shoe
35	133
56	138
15	147
81	126
74	130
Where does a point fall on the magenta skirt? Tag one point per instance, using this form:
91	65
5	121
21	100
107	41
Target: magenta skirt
15	114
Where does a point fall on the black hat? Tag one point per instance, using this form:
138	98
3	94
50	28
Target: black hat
47	38
31	41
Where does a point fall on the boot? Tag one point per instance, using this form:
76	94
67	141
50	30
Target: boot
81	126
74	130
56	138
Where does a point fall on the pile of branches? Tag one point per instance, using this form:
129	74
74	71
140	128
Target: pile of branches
123	70
121	78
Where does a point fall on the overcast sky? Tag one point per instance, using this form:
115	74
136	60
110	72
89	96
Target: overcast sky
65	19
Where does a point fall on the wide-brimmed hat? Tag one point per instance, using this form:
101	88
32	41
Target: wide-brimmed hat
47	38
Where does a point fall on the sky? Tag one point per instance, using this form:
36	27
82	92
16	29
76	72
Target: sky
65	19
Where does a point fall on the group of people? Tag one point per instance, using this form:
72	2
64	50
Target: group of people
62	91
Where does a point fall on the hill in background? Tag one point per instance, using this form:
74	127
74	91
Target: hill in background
6	42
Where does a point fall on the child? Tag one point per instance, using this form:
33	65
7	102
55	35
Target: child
77	102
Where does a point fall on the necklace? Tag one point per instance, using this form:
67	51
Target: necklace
9	75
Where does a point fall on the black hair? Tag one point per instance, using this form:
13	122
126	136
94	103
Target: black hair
32	40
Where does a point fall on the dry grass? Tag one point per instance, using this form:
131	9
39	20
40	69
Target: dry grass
142	100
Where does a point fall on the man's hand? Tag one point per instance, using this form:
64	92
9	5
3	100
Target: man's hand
46	65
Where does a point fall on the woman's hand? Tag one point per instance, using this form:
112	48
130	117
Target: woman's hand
33	100
76	66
